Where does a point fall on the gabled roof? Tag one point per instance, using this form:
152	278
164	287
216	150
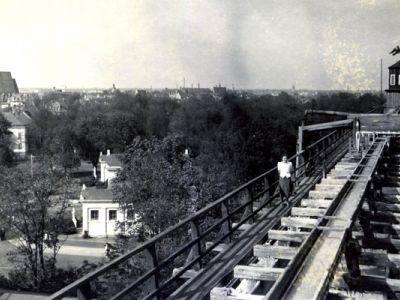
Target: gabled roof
112	160
395	66
94	193
21	119
7	83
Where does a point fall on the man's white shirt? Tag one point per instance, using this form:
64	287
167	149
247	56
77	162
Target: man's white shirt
285	169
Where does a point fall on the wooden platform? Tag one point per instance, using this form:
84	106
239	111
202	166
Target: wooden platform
224	263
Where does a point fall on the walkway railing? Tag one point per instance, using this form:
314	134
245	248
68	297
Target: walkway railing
191	242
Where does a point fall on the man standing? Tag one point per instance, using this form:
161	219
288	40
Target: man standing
285	169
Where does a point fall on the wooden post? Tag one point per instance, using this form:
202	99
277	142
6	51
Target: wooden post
299	149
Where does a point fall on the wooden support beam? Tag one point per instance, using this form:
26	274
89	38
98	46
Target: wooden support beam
279	252
257	273
288	236
223	293
298	222
308	212
316	203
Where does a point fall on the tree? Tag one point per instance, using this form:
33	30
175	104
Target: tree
6	154
35	208
156	182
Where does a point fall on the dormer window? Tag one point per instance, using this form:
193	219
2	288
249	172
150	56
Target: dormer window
392	79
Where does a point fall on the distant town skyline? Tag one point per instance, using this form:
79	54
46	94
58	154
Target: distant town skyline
273	44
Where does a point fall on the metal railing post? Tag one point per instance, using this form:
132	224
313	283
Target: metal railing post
84	292
155	278
195	232
227	225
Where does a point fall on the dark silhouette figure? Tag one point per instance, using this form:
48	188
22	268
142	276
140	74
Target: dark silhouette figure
395	51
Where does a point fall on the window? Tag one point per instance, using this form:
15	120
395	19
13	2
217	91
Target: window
19	135
398	81
94	215
392	79
112	215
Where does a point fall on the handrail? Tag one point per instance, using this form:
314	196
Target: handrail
82	285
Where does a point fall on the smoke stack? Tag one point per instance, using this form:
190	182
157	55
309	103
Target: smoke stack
108	152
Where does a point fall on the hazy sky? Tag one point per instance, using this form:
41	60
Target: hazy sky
316	44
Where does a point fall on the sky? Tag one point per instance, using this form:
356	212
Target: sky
312	44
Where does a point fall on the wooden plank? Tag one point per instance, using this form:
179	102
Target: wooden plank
394	258
298	222
391	190
223	293
323	194
257	273
393	229
279	252
308	211
387	206
288	236
321	187
387	216
391	199
331	180
316	203
219	248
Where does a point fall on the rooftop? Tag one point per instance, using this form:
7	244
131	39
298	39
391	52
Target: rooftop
7	83
395	66
112	160
94	193
18	119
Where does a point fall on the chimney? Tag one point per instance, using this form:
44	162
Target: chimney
83	187
108	152
186	152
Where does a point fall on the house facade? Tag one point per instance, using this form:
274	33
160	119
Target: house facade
19	129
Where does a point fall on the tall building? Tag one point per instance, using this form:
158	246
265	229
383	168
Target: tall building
8	85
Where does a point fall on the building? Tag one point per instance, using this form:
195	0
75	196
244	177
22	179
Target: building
8	85
109	165
100	214
19	129
393	92
219	92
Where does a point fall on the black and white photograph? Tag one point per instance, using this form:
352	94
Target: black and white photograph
199	149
